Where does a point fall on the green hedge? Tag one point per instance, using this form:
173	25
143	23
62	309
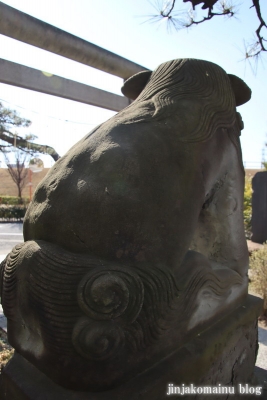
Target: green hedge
13	200
12	212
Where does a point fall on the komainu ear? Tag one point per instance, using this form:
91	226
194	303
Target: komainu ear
135	84
241	90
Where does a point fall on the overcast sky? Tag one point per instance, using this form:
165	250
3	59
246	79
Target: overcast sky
119	26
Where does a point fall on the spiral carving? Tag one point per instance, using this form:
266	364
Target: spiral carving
110	292
97	340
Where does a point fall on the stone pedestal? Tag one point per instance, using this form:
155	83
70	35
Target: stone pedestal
223	354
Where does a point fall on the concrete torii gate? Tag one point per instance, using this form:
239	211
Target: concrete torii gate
30	30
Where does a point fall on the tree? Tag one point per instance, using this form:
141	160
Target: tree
166	10
10	119
18	171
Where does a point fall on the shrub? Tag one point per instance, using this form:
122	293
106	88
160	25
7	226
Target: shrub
12	212
13	200
258	265
6	351
247	207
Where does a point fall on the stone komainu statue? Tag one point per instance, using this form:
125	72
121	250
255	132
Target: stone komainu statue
135	237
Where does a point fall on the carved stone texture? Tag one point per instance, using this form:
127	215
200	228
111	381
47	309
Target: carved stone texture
223	354
134	241
259	207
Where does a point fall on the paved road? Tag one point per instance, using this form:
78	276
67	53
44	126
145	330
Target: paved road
10	235
262	352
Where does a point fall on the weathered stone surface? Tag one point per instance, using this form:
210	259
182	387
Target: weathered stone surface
90	327
225	353
259	207
134	241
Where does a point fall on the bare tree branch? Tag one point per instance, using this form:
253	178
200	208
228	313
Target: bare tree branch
166	10
170	10
210	15
259	45
206	3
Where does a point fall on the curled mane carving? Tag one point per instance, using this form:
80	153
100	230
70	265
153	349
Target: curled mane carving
197	81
